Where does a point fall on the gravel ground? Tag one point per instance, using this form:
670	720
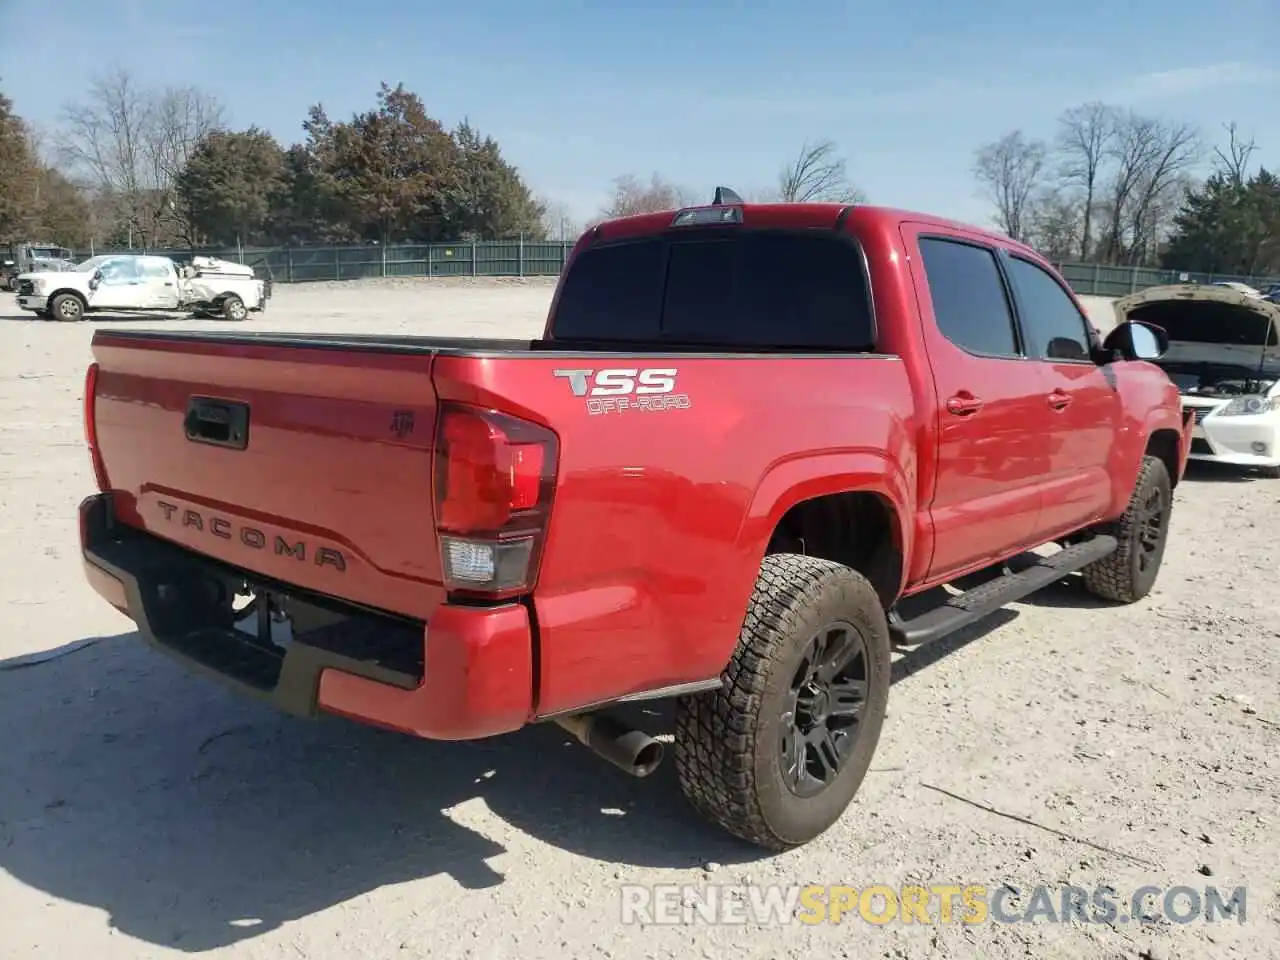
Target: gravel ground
145	812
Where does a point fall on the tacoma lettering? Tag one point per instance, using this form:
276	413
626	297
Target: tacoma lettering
252	537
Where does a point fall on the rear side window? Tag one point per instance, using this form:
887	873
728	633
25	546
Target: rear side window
969	302
752	290
1051	321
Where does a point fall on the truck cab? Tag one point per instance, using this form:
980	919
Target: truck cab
29	257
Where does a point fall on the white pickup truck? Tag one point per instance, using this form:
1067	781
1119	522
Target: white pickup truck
128	283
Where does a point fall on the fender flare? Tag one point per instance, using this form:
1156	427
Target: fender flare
1157	419
78	294
806	476
1177	421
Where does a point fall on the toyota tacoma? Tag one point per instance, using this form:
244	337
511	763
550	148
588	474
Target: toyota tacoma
747	434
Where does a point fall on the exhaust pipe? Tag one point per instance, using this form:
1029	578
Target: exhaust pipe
627	748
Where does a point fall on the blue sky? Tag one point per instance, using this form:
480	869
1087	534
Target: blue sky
703	93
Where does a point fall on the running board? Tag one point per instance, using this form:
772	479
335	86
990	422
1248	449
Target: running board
982	601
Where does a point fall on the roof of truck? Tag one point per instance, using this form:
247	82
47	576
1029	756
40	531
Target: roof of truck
803	215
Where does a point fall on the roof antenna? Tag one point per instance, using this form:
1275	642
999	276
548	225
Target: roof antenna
725	195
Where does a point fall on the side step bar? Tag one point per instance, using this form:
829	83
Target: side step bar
982	601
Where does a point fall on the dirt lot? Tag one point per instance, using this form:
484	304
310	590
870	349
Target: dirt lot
145	812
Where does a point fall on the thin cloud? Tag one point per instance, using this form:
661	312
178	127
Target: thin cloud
1185	81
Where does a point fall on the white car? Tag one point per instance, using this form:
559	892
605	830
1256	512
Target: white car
1236	285
128	283
1224	356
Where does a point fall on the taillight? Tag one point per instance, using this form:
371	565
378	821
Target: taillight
494	478
91	427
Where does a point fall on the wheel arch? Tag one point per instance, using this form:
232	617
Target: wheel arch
70	291
853	508
1164	443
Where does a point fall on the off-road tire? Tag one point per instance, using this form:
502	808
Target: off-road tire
1119	576
233	309
67	307
728	742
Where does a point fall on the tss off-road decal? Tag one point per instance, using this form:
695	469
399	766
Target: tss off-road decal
620	390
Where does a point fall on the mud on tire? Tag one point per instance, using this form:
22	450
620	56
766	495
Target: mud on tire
736	747
1128	575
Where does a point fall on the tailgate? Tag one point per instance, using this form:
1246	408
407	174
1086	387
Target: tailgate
303	463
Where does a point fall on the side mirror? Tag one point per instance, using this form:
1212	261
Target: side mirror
1135	340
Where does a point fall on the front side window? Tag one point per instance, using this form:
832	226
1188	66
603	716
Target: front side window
1055	328
119	270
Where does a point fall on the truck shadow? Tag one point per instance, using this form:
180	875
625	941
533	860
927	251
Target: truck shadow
150	316
1206	471
197	820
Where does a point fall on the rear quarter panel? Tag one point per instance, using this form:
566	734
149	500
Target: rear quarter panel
661	517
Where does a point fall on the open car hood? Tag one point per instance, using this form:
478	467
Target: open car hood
1208	324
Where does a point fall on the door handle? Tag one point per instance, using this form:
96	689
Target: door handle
1059	399
963	404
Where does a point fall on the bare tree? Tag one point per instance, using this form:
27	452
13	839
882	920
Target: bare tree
1085	135
1233	163
558	221
1055	222
1151	157
816	175
181	117
631	196
1010	171
131	143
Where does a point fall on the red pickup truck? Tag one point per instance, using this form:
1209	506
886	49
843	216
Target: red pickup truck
747	433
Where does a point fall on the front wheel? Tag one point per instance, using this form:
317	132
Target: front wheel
1128	574
67	307
776	755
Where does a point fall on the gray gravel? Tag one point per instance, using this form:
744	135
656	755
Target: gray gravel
145	812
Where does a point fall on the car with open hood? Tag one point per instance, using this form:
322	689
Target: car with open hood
1224	357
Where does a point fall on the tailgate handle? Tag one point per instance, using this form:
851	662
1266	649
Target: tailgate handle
222	423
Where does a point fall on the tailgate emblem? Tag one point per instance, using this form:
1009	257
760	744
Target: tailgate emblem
402	423
252	537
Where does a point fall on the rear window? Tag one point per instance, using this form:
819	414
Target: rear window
747	290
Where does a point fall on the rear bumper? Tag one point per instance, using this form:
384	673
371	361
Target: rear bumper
466	674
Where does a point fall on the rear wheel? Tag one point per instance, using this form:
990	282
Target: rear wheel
233	308
68	307
777	754
1128	575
